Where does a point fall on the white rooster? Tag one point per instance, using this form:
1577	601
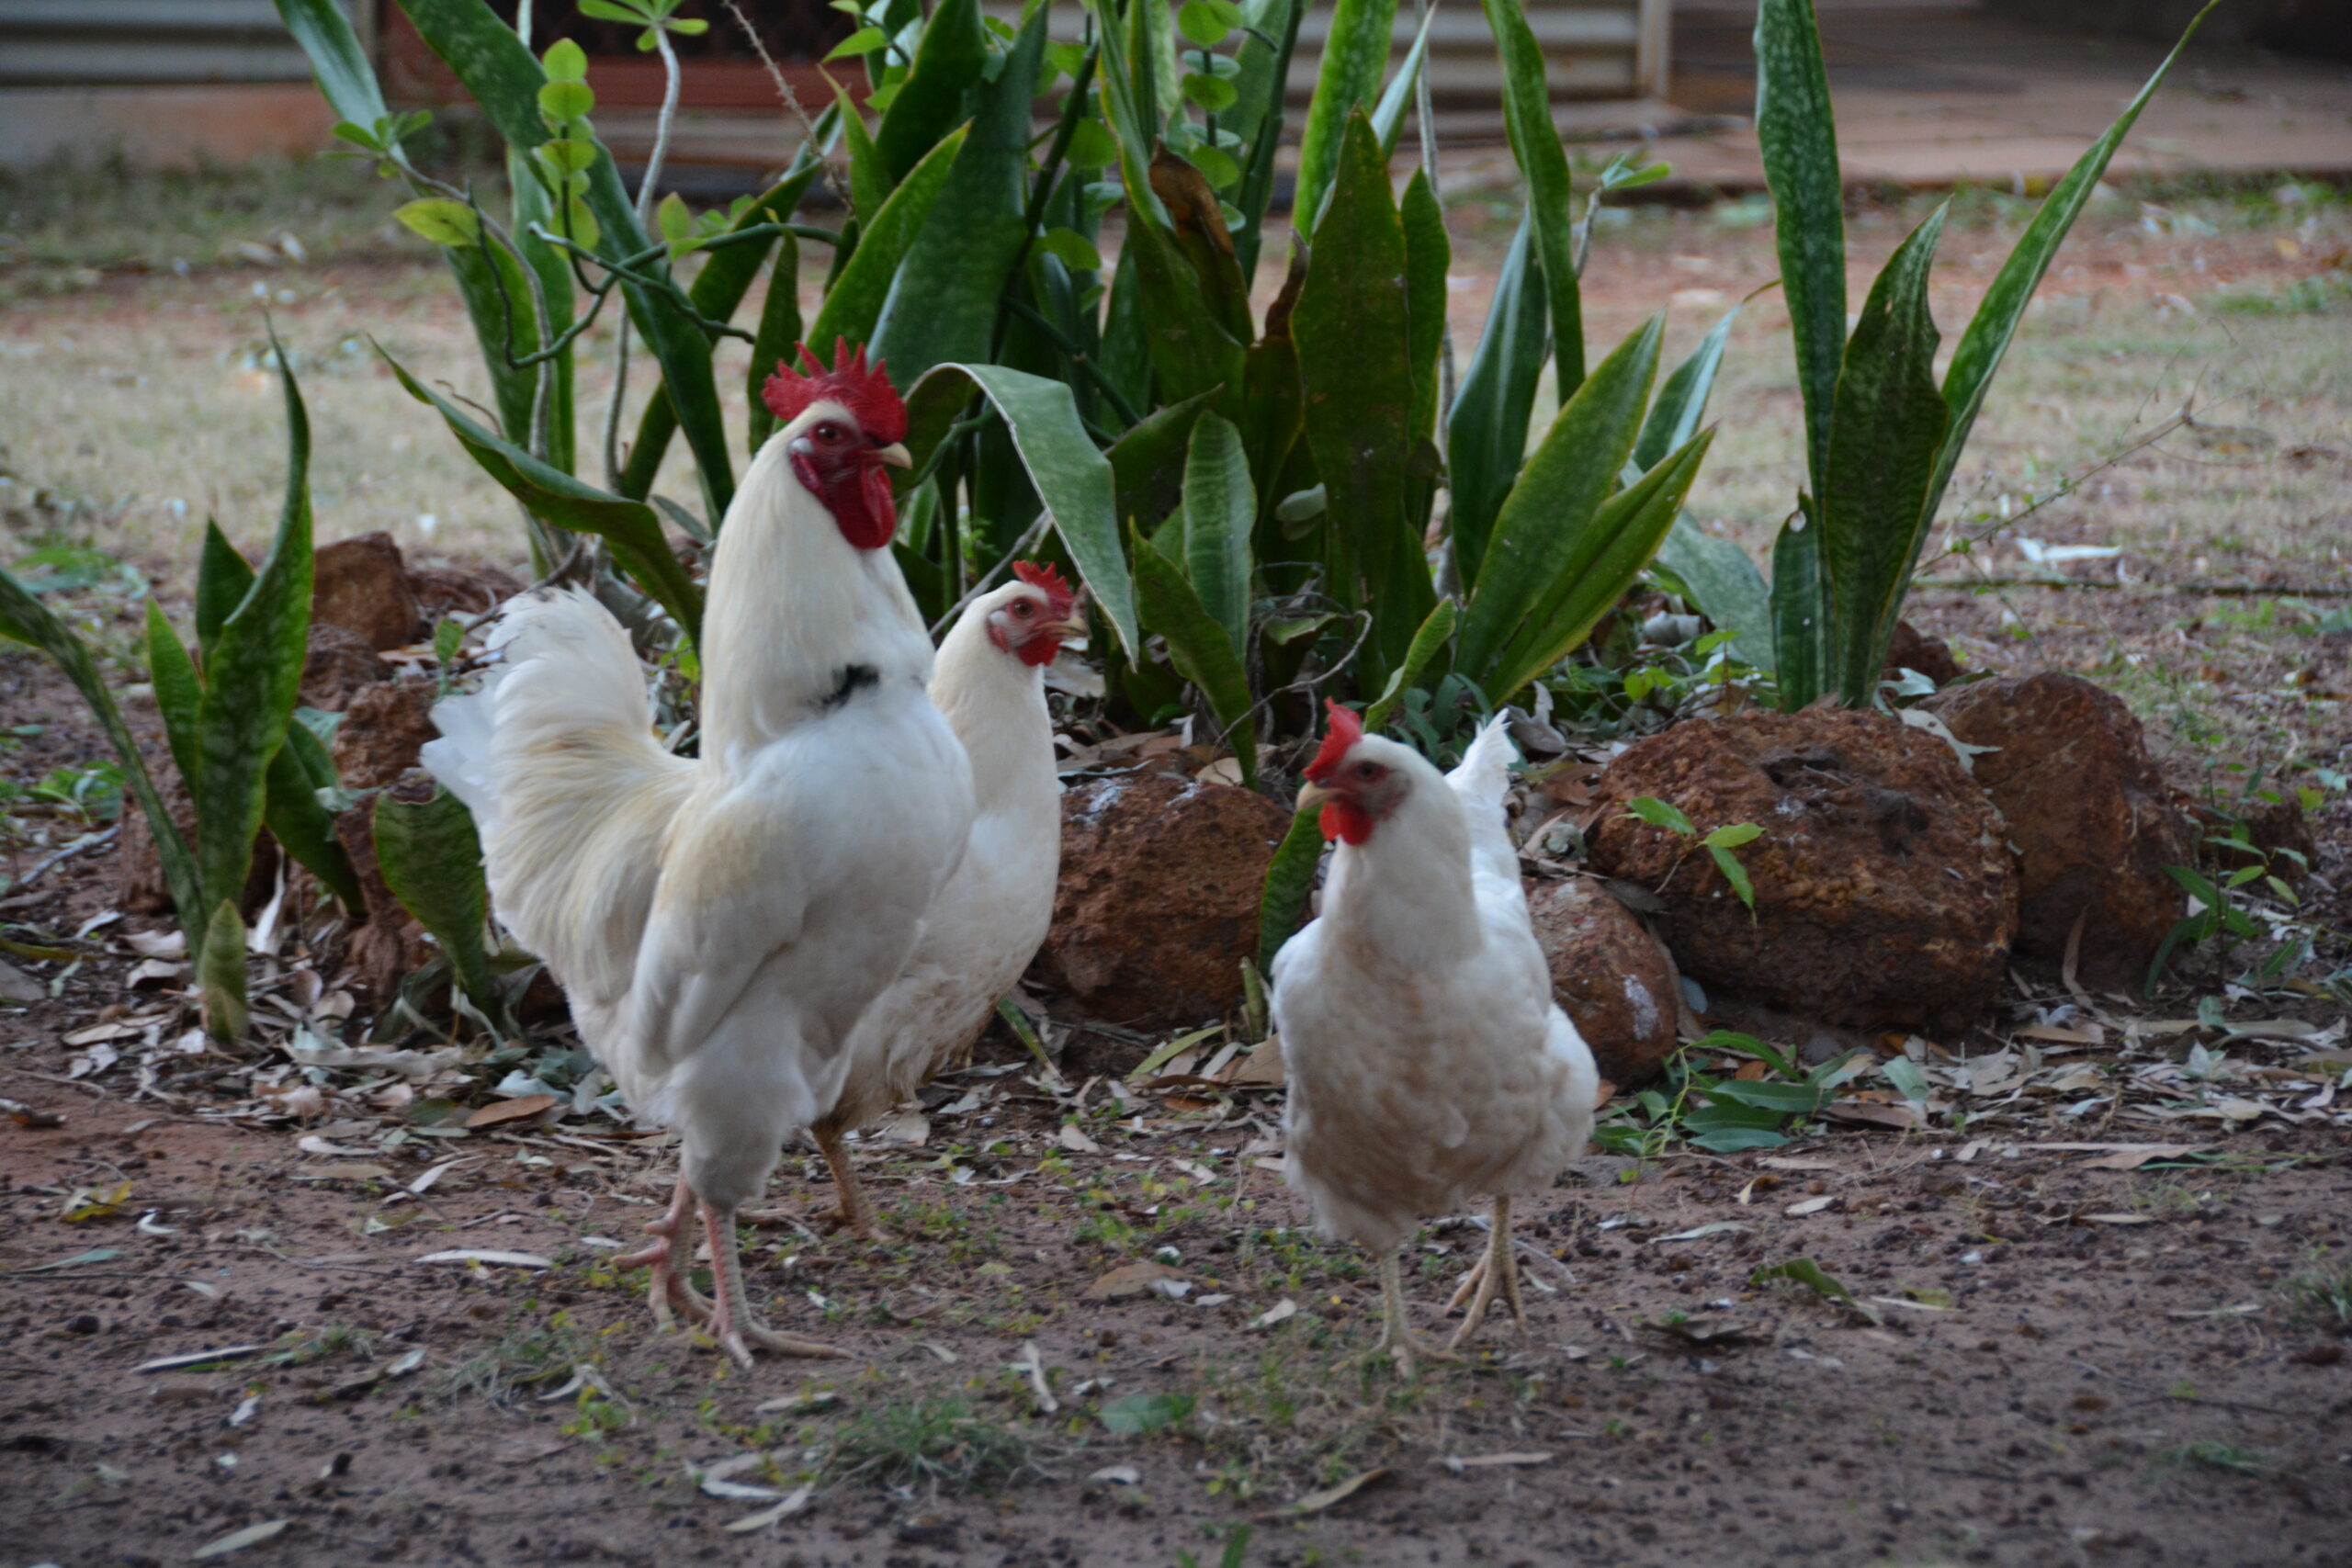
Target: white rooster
720	924
1427	1061
992	917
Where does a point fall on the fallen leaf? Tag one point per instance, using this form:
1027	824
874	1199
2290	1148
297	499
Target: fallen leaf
2085	1034
199	1358
483	1255
1905	1115
1261	1068
2118	1219
1281	1311
1479	1462
237	1540
792	1503
1719	1227
1118	1475
89	1203
2133	1156
1790	1162
521	1108
1075	1140
1330	1497
1811	1205
96	1254
1130	1279
361	1171
912	1128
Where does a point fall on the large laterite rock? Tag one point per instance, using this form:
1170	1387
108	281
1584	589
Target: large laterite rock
362	585
384	727
1157	903
467	591
1885	891
1609	976
337	665
2092	821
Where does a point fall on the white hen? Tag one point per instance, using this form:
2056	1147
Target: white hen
720	924
993	913
1426	1059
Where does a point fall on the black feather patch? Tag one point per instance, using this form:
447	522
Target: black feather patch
855	678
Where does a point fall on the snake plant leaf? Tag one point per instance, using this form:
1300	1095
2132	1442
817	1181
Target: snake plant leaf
1800	610
1264	59
1724	585
505	320
1353	332
1609	555
1428	643
1543	532
431	858
942	304
1198	648
1388	115
1888	425
1290	883
1680	407
1070	472
1147	462
853	300
1427	254
632	528
179	692
303	827
252	671
1487	429
1797	134
948	60
338	61
1978	353
221	972
1543	163
1220	509
772	345
25	619
1355	57
1197	225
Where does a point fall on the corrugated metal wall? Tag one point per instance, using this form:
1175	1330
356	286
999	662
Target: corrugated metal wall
58	43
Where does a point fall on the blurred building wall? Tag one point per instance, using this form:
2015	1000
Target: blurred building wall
160	82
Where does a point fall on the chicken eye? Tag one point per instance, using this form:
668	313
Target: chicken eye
1023	608
829	433
1371	773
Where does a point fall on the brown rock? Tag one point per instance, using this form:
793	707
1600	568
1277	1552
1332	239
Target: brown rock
362	586
1608	975
1157	905
2089	815
336	665
1885	892
1915	650
459	589
382	731
140	887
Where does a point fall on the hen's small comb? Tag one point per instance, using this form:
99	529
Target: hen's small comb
866	391
1345	731
1060	599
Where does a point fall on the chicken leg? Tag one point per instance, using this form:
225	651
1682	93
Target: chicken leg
732	1322
1497	1271
668	1288
852	1212
1397	1336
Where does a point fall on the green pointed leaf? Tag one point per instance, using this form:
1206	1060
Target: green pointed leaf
865	41
179	694
1262	68
220	972
1543	163
443	221
302	827
1428	256
1724	586
779	330
1198	648
1427	644
431	858
1607	557
1800	610
632	528
1889	423
853	302
1544	523
1487	430
1681	404
338	59
224	578
1355	57
1658	813
1798	136
253	669
1220	508
1290	883
1069	472
1354	335
942	306
1147	462
949	58
1397	99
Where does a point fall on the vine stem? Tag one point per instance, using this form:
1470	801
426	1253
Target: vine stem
647	186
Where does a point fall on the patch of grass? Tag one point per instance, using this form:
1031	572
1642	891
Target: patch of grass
303	1347
2213	1454
932	1439
531	1350
2319	1296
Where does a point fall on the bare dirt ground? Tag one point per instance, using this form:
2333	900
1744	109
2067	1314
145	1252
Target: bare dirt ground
2133	1353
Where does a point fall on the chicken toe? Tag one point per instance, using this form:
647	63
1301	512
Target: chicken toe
1496	1274
732	1322
1403	1347
853	1214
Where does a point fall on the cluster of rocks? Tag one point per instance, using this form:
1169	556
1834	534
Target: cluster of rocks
366	601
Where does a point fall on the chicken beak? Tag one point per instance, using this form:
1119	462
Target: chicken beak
896	456
1312	797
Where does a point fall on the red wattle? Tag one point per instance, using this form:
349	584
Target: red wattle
1039	651
1344	819
861	502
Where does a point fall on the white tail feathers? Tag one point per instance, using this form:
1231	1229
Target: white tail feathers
1483	783
557	759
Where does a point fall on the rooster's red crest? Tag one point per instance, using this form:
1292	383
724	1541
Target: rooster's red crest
1061	600
1345	731
866	391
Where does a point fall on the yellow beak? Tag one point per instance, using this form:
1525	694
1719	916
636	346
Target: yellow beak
896	456
1312	796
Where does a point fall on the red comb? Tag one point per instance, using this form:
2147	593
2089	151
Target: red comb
1345	731
866	391
1061	600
